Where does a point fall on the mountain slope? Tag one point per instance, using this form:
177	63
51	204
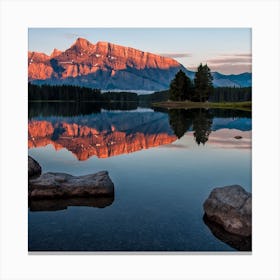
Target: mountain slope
239	80
108	66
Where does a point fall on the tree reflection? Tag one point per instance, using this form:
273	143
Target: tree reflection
180	120
202	123
200	119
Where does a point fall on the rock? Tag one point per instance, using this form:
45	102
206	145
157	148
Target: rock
238	137
55	53
56	204
231	207
55	185
34	167
238	242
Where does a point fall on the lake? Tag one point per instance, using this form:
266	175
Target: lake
163	164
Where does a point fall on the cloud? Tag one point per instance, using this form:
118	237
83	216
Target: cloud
230	60
224	138
230	63
221	138
176	55
237	55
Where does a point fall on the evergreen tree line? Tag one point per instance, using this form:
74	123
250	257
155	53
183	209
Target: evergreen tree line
157	96
201	88
75	93
231	94
187	92
64	92
220	94
182	88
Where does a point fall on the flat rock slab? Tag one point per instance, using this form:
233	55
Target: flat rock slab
34	167
231	207
55	185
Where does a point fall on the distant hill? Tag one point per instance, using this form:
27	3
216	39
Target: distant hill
108	66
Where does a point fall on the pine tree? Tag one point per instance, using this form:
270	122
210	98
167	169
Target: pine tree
180	87
203	84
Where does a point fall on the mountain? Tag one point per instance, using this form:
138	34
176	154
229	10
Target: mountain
108	66
239	80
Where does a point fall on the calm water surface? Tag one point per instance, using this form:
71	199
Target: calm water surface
163	164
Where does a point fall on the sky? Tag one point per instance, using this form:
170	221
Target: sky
226	50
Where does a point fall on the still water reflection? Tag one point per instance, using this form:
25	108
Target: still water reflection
163	164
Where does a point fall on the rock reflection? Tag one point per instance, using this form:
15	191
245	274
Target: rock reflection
62	204
237	242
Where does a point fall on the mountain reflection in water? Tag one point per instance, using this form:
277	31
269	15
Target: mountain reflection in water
164	187
105	133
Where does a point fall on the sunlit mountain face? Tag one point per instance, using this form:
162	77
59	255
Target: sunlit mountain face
111	133
109	66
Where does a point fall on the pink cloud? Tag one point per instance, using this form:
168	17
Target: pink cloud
232	63
224	138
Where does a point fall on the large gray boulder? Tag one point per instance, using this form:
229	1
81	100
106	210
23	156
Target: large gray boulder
34	167
55	185
231	207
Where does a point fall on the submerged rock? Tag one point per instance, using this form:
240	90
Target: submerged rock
55	185
231	207
34	167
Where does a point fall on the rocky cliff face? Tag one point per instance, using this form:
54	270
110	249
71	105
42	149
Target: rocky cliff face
108	66
103	65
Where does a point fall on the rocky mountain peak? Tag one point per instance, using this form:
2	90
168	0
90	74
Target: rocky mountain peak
109	66
55	53
82	43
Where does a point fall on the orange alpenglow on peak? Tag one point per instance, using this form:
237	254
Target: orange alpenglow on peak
83	43
55	52
103	65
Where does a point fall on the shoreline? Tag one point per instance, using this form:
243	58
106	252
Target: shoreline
245	106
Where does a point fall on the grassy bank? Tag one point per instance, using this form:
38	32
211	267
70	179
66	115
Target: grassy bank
246	105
